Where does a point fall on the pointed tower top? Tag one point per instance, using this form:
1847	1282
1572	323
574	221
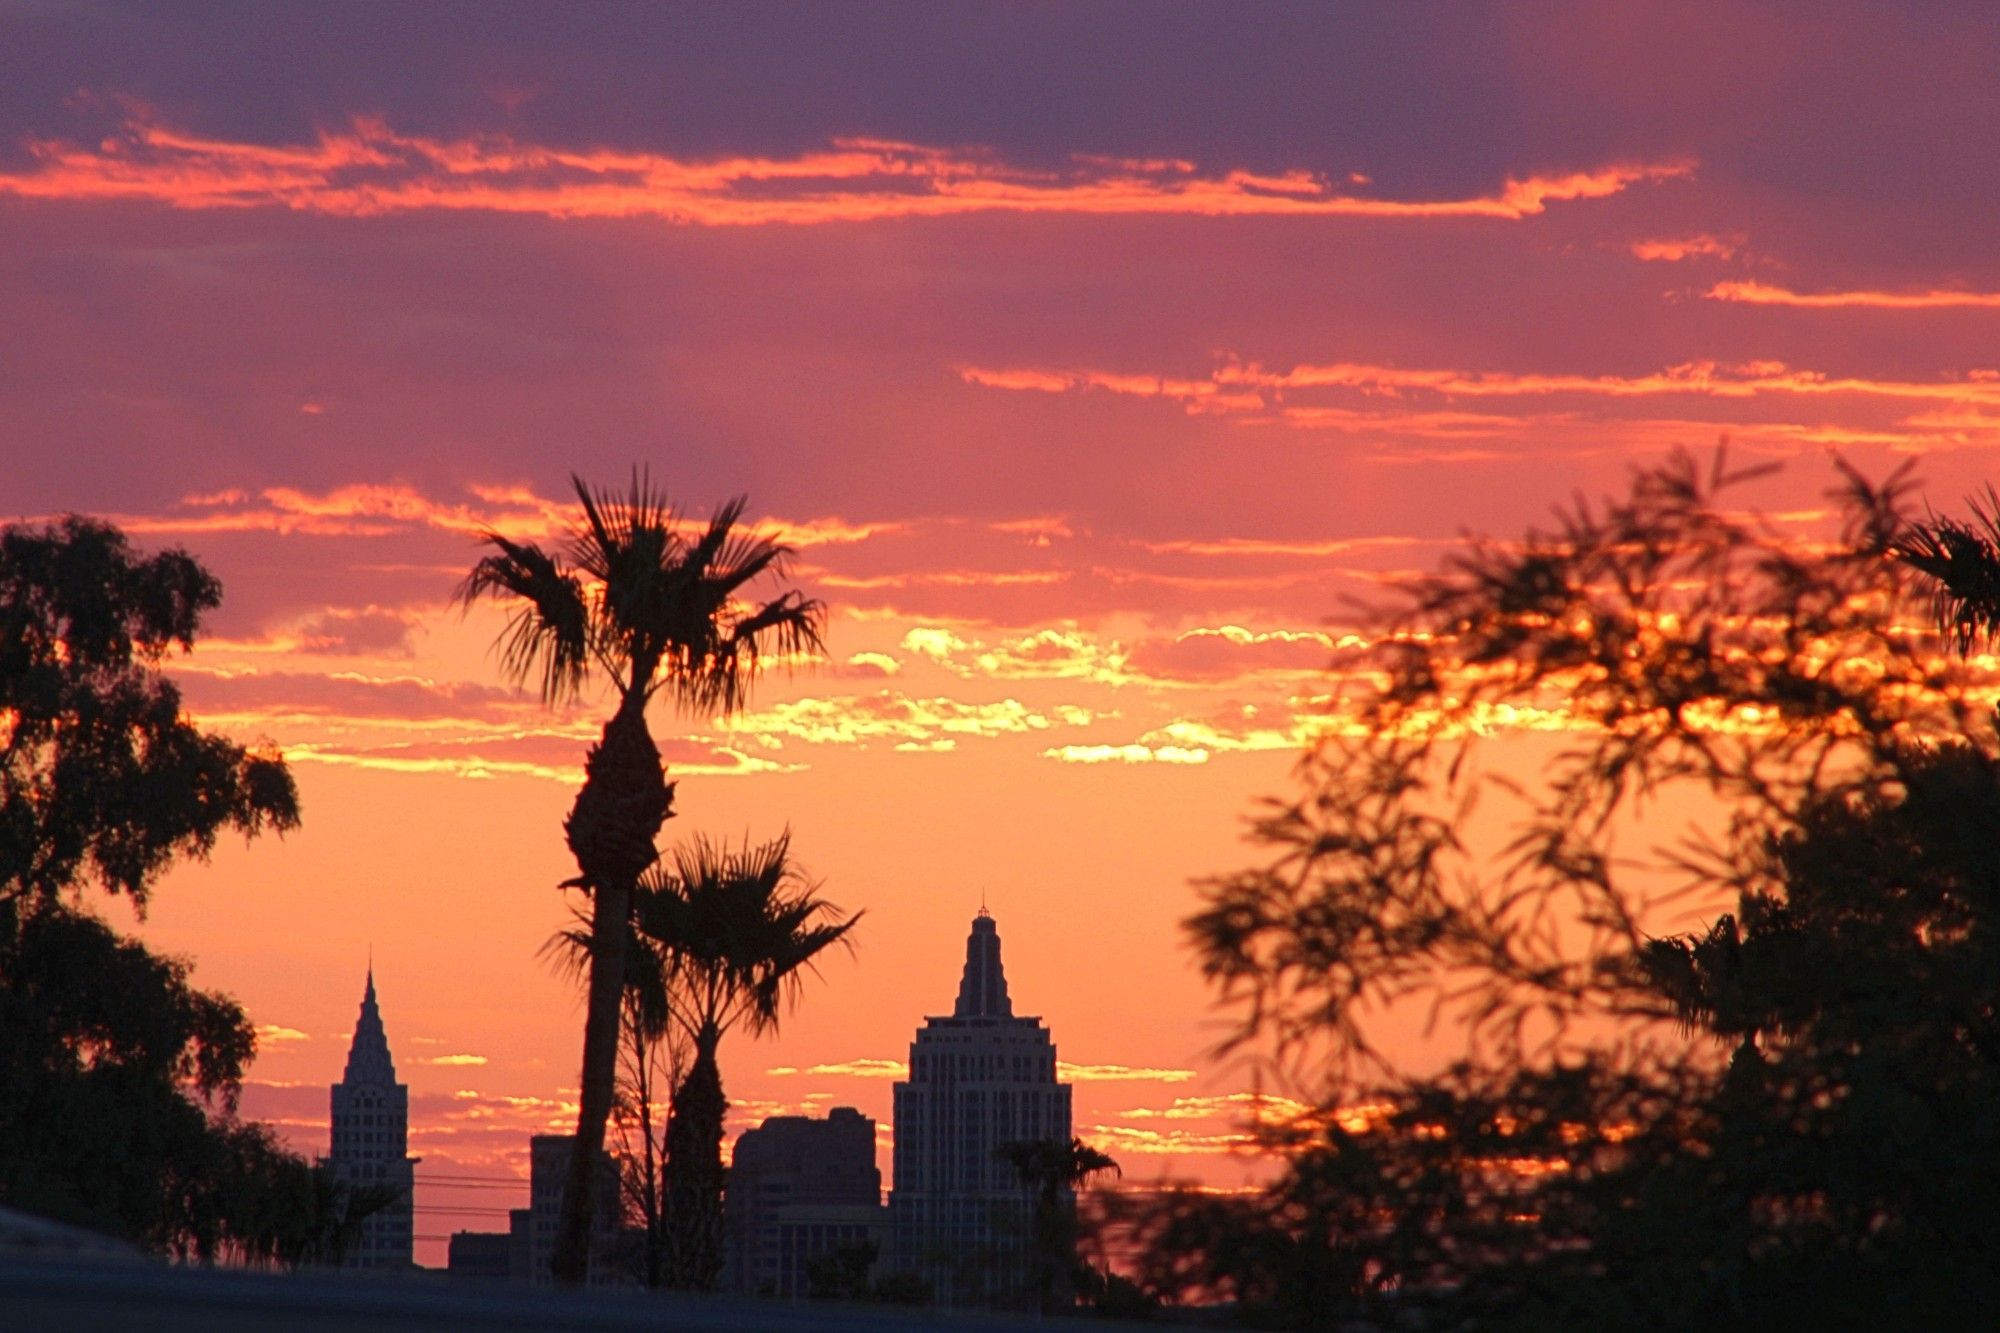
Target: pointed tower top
982	991
368	1059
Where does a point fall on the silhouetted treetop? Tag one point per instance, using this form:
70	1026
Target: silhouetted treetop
654	605
104	777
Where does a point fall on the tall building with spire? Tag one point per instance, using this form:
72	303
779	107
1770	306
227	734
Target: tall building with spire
980	1078
371	1138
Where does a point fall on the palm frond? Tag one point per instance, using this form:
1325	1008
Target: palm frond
744	926
649	971
547	639
1961	560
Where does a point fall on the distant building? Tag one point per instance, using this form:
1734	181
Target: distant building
799	1190
978	1079
482	1254
371	1134
533	1229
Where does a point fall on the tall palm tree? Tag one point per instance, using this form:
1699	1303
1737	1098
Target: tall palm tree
652	611
1962	560
739	929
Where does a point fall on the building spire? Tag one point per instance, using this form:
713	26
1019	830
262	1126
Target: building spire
368	1059
982	991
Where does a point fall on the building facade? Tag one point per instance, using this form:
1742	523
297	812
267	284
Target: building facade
800	1189
980	1078
371	1139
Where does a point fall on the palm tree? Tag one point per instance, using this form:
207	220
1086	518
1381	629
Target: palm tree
652	611
1054	1170
1962	560
738	930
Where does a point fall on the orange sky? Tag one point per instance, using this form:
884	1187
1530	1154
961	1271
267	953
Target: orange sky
1094	361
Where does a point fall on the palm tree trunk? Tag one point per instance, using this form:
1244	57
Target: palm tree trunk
624	800
694	1172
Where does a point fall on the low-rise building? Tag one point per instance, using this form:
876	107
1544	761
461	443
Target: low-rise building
799	1190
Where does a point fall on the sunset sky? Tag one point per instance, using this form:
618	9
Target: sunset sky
1095	359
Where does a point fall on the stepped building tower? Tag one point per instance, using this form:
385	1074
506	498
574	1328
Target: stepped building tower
981	1078
371	1136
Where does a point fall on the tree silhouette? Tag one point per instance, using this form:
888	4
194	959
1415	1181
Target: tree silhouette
1652	1126
653	611
102	777
735	931
118	1079
652	1060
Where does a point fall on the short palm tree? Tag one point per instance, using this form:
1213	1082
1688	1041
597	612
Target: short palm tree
652	610
1054	1170
737	931
1962	560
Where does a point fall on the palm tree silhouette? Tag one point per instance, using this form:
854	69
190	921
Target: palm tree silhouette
651	1061
1054	1169
1962	560
737	931
653	612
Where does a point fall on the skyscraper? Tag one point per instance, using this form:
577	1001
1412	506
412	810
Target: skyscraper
371	1132
981	1078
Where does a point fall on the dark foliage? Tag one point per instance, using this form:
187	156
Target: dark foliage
1789	1116
118	1079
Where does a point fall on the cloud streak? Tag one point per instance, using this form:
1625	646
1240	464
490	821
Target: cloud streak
381	509
1380	403
1758	293
368	168
1675	249
892	716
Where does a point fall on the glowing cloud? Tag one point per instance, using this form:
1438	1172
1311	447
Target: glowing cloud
862	1068
369	169
1757	293
1673	250
1377	402
886	715
1070	1073
1125	754
380	509
1261	1108
1690	378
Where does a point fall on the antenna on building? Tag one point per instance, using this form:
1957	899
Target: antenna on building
982	901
